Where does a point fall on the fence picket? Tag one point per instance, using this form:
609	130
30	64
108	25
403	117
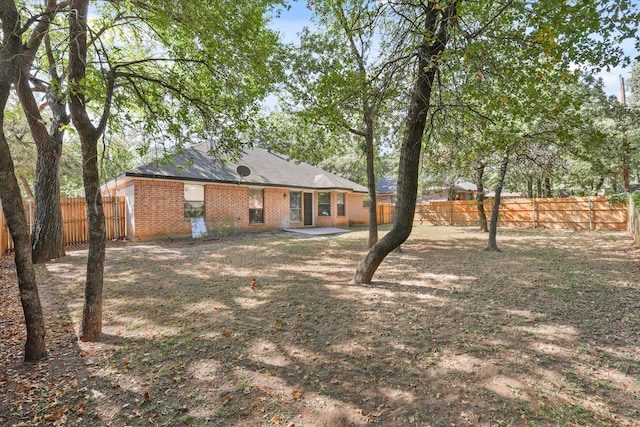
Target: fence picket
75	226
574	213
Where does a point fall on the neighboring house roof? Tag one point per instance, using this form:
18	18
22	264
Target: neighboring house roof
387	185
266	167
431	198
457	185
505	194
462	185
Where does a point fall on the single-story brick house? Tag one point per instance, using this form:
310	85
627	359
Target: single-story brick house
260	191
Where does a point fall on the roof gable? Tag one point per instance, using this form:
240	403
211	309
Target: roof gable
267	168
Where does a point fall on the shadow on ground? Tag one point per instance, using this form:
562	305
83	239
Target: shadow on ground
544	333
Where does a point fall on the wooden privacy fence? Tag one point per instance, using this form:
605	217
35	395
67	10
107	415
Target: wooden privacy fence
75	225
572	213
385	213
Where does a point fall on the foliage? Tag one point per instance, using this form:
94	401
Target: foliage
344	79
624	198
186	74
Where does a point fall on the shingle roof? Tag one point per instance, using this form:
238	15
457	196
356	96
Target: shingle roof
387	185
267	169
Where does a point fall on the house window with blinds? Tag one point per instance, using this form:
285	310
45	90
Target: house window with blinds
256	206
340	203
193	201
324	204
295	206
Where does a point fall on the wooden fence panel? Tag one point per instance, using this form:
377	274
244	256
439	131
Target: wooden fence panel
74	218
385	212
75	226
575	213
514	213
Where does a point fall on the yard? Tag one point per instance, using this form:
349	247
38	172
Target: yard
545	333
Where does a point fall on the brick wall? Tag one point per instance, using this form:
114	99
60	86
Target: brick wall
158	209
357	213
276	208
226	207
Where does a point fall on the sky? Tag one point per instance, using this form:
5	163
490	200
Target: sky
292	21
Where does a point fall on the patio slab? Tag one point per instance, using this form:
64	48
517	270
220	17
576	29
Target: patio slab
318	231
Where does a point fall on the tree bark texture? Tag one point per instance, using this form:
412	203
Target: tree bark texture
492	246
10	192
548	193
47	235
436	23
482	216
89	135
371	180
368	133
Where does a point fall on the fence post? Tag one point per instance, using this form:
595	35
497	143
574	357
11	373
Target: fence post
590	214
114	200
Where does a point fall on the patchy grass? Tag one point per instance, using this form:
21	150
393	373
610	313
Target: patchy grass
545	333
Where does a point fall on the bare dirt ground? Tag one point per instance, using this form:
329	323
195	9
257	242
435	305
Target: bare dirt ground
545	333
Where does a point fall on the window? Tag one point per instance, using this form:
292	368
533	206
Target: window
340	204
365	201
193	201
324	204
295	206
256	206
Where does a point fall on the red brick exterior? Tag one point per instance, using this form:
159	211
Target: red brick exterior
156	208
356	212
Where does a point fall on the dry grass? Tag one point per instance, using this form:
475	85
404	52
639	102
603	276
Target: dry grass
545	333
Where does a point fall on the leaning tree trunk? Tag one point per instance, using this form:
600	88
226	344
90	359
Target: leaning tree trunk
10	192
493	227
89	135
436	23
482	216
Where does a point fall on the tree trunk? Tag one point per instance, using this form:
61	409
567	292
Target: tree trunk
436	23
371	180
92	312
25	186
493	227
530	187
10	196
47	236
482	216
547	187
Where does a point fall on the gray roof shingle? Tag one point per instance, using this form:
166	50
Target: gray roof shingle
267	169
387	185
